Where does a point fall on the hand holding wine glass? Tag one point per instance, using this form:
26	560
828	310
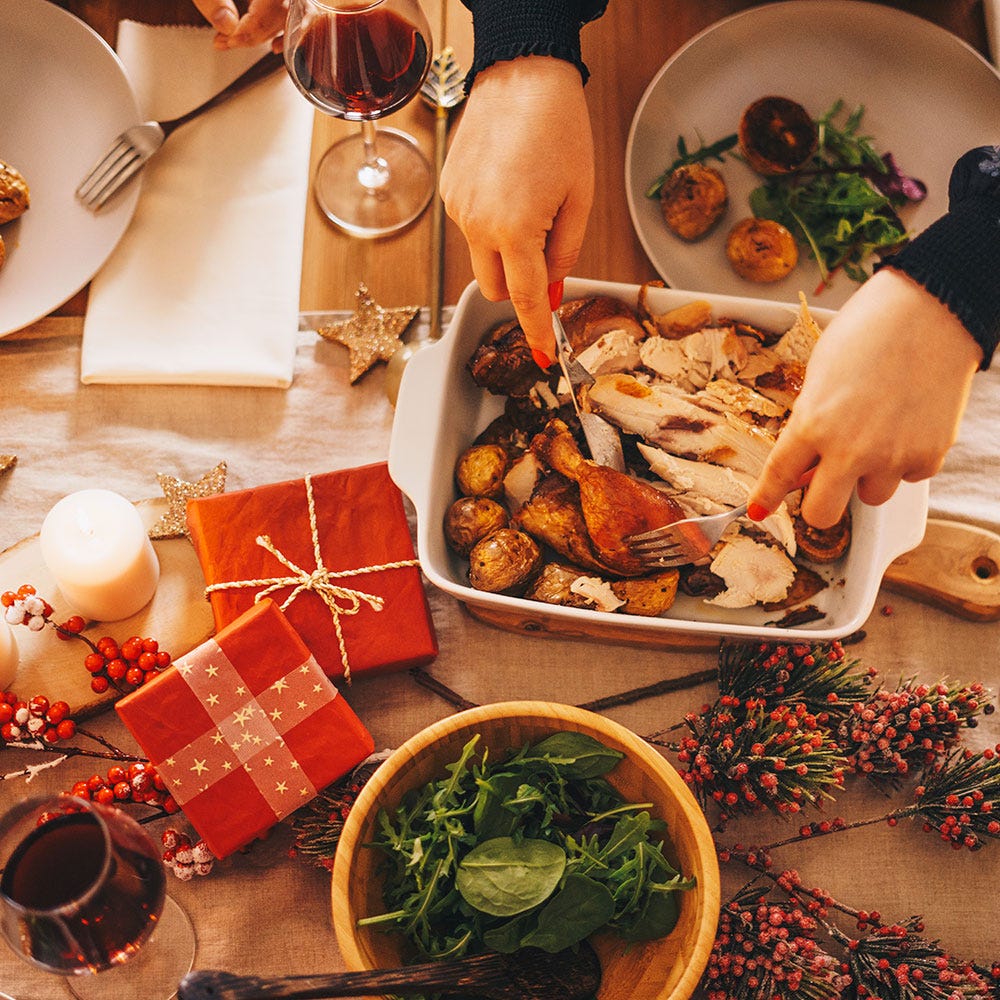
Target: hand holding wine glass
82	891
361	60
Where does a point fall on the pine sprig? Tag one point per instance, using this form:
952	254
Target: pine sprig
746	756
319	823
961	800
819	675
766	949
895	962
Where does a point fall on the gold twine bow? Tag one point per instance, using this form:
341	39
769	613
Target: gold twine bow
319	581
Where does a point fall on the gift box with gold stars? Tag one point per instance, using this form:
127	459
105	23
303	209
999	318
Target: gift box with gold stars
245	729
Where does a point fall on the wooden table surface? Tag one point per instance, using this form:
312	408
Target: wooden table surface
624	49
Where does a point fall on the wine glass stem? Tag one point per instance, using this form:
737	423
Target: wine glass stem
374	171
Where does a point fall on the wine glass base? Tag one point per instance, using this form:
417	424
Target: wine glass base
154	972
373	211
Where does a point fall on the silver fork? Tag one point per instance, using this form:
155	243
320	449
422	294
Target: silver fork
687	541
130	151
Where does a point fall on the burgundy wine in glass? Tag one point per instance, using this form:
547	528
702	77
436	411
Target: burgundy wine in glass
361	61
83	891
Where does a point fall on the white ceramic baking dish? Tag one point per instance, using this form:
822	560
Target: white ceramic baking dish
440	411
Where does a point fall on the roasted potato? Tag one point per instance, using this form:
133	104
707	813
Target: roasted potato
777	135
648	596
505	562
554	586
693	199
15	197
469	519
480	469
761	250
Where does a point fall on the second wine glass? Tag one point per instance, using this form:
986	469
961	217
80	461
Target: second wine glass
361	60
83	891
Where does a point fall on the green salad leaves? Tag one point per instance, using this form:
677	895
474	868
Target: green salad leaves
534	850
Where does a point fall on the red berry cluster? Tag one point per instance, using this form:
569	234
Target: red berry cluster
135	782
764	949
132	663
38	719
184	858
913	726
24	607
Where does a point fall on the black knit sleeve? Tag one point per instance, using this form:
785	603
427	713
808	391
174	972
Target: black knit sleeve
957	258
506	29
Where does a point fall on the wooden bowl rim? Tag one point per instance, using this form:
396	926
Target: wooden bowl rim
706	858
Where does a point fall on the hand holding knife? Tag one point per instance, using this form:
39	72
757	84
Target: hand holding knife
602	438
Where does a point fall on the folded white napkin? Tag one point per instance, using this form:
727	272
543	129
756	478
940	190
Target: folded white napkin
204	286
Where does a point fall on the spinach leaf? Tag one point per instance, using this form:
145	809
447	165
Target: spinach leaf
504	877
578	755
580	907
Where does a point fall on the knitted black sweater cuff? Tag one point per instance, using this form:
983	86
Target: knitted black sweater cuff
505	30
955	259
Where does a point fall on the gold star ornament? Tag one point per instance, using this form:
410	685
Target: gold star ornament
7	462
173	524
372	333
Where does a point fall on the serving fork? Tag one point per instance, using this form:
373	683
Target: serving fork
687	541
130	151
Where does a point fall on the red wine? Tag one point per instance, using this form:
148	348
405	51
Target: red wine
360	65
105	904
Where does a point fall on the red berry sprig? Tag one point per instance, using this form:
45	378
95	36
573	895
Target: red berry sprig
136	782
37	719
134	662
123	667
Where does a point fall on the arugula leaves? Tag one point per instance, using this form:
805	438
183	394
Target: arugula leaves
538	850
842	205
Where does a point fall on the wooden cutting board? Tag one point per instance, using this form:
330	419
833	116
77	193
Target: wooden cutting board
178	617
956	568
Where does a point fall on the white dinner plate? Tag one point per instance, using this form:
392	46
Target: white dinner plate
64	97
928	97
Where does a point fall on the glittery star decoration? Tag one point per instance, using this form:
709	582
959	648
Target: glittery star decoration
372	333
7	462
173	524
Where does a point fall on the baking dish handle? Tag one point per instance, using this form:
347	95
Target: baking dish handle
905	528
416	422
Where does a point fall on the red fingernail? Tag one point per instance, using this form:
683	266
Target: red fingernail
757	512
542	360
555	295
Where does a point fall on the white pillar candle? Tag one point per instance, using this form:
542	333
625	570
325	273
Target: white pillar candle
96	548
8	656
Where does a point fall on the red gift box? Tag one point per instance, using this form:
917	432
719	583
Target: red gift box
245	729
335	552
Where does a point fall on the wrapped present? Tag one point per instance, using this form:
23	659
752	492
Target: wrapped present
334	551
245	728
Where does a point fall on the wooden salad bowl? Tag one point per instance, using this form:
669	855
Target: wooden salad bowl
665	969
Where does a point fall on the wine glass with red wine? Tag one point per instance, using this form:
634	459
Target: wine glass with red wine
361	60
83	891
